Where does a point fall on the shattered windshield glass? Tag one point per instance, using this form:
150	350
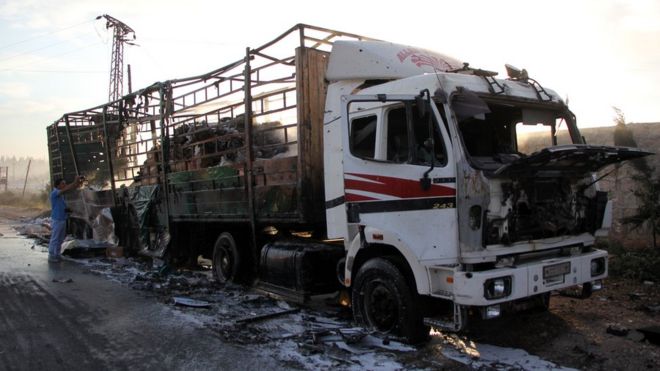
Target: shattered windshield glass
498	132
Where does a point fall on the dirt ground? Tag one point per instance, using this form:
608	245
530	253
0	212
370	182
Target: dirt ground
573	333
17	213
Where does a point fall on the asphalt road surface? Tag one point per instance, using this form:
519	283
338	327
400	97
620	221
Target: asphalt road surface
53	316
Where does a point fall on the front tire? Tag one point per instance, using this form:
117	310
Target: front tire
226	259
383	301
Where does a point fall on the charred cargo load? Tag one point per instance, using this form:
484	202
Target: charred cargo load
432	191
241	145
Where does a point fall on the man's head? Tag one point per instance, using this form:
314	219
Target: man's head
59	183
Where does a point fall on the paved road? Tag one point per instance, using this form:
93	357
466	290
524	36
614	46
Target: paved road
92	323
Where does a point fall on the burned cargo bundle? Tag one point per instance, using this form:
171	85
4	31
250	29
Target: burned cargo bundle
204	144
201	145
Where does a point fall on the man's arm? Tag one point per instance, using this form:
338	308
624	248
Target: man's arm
75	184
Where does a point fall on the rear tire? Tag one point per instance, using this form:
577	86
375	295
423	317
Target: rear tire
226	259
383	301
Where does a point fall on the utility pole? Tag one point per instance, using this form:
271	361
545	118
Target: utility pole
27	173
120	37
4	176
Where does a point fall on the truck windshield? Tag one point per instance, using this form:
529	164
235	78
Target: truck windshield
497	133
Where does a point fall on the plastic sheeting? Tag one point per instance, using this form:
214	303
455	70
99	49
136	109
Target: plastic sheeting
103	227
143	199
153	235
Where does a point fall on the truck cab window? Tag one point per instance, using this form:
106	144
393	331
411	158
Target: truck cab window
363	137
408	138
398	147
533	138
507	133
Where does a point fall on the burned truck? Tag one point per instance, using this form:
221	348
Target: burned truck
326	161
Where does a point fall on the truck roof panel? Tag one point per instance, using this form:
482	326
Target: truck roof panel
371	60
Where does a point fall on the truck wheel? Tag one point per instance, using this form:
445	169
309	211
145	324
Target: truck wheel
226	259
383	301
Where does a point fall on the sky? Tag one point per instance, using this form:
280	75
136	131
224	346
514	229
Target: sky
55	57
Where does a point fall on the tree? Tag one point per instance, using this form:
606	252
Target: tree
648	211
648	190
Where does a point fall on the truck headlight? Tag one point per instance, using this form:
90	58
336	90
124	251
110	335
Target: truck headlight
598	266
496	288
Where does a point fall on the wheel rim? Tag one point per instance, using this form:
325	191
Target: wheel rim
381	306
223	263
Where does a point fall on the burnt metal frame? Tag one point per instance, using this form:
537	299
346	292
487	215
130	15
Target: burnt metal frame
165	106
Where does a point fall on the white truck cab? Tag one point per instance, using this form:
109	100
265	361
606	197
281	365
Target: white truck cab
454	191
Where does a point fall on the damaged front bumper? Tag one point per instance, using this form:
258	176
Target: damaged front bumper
500	285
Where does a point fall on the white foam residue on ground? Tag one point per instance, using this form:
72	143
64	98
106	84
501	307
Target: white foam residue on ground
195	318
374	341
485	356
289	351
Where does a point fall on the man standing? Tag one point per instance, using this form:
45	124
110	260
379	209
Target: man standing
59	216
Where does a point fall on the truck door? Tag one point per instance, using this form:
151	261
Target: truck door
400	175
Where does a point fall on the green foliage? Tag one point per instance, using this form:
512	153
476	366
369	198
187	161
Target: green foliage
638	265
648	210
623	136
648	191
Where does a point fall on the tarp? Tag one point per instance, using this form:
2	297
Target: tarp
153	235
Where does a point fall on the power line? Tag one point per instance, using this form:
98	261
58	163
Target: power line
52	71
33	50
44	34
53	57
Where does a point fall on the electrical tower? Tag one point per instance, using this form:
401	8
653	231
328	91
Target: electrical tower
120	37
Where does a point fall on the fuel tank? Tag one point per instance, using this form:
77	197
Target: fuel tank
299	268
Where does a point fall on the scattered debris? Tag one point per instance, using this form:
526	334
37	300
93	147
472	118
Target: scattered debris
352	335
651	333
38	229
164	270
617	330
266	316
187	302
636	295
652	308
114	251
635	336
62	280
84	248
308	336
